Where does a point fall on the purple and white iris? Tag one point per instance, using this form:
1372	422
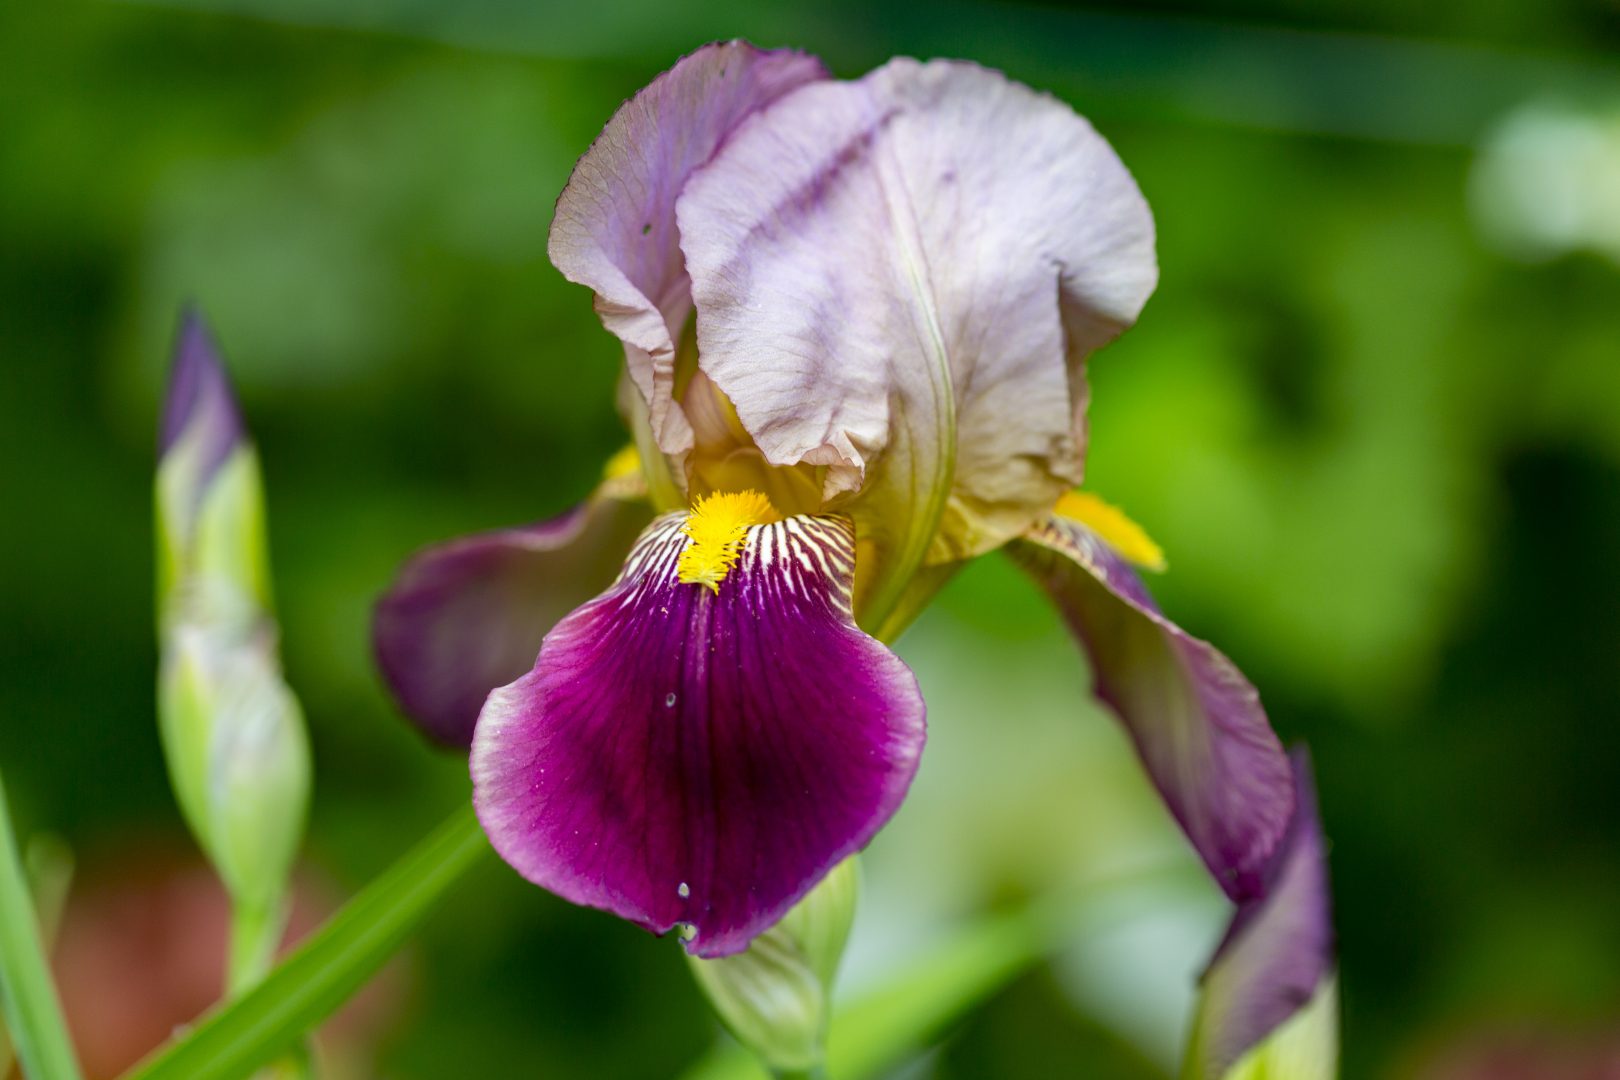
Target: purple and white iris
856	317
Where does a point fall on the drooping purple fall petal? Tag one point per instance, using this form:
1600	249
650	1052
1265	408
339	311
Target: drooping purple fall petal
899	278
614	229
1277	954
466	616
1196	721
685	756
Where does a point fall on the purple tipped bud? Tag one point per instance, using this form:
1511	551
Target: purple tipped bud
200	407
232	731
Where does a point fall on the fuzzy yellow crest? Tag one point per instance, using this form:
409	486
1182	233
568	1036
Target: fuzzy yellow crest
718	525
1117	531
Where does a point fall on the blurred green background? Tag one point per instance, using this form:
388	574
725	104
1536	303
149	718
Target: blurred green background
1372	414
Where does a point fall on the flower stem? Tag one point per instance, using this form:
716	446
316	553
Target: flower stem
255	933
32	1011
330	965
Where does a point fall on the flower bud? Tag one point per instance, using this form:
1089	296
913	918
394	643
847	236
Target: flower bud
776	997
233	733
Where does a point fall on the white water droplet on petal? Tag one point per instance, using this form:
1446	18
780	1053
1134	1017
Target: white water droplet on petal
669	700
683	890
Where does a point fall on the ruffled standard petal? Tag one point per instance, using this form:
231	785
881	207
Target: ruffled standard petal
1196	721
686	756
614	229
467	616
899	279
1275	965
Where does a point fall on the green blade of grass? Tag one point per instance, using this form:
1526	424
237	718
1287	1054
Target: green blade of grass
33	1014
329	967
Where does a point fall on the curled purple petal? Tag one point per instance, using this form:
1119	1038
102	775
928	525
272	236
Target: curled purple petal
1196	721
1278	952
199	406
466	616
614	229
682	756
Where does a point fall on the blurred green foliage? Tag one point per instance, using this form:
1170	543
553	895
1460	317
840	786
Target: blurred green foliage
1384	461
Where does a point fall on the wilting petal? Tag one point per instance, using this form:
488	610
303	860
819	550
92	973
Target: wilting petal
1276	958
685	756
1195	719
614	229
899	279
467	616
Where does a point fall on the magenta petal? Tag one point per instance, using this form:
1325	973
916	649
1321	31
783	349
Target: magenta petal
1278	952
1195	719
614	229
467	616
679	756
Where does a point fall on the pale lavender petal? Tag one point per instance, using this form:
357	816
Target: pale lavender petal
680	756
899	279
614	229
1278	952
199	405
1196	721
467	616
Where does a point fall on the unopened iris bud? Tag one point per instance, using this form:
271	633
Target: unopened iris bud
776	996
233	733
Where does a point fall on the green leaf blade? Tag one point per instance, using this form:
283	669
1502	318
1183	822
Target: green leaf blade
33	1014
326	969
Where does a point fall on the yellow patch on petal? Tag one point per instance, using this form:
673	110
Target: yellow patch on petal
627	462
718	525
1116	530
622	477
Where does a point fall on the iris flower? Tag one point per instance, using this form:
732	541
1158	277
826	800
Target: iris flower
856	317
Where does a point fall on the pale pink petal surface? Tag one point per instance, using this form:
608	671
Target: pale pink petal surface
614	229
899	278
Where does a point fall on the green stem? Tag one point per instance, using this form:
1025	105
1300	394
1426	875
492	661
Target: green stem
255	933
334	962
33	1014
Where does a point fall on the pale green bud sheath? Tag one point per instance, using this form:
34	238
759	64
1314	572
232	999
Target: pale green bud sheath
776	996
233	734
